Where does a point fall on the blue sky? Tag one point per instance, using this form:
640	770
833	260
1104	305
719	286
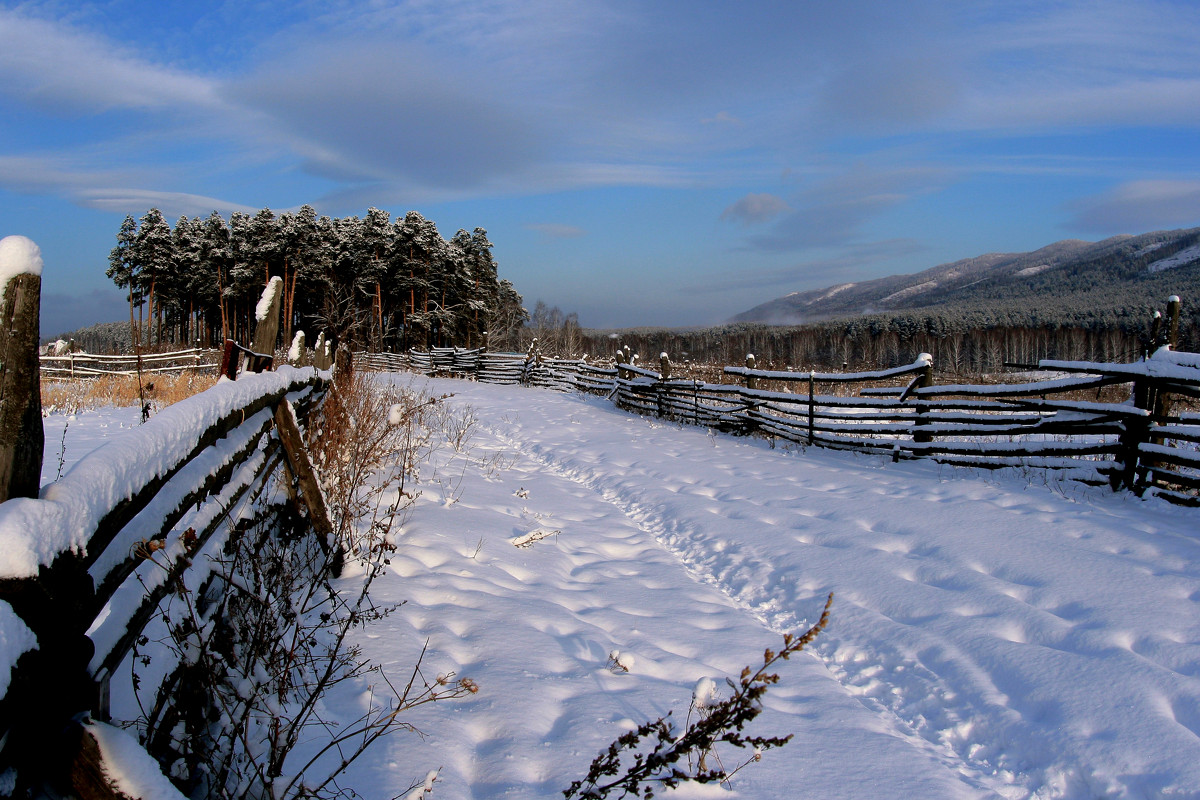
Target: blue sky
639	163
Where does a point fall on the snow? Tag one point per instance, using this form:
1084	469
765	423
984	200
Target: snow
132	772
910	291
1032	270
268	296
1183	257
15	640
297	348
18	256
993	635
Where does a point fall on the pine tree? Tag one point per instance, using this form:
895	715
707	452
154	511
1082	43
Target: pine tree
154	256
122	270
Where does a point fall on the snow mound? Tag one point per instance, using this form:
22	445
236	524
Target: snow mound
18	256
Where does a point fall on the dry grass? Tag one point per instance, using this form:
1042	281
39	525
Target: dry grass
162	389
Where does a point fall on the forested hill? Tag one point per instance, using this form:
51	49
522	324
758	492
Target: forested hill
1063	283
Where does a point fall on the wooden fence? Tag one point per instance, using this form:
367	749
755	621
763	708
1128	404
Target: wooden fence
85	564
89	365
1132	426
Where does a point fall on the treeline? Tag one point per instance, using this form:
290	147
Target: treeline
371	282
962	342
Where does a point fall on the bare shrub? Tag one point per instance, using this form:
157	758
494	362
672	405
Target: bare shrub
623	770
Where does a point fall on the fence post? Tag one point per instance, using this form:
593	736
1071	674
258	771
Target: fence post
300	351
1137	430
267	315
751	381
811	404
926	379
1174	305
21	435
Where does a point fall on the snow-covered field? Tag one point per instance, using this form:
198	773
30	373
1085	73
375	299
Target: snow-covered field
992	636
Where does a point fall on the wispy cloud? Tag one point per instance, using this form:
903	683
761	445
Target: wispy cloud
68	72
722	118
835	211
555	230
848	263
755	208
1139	206
113	190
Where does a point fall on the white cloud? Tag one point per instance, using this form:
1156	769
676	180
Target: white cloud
68	72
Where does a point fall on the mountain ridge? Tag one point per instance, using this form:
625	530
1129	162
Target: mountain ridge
1056	271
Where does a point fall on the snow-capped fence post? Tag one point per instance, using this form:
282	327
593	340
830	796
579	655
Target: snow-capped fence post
924	380
750	380
266	328
298	353
660	386
21	434
1174	305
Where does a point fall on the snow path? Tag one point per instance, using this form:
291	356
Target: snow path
990	637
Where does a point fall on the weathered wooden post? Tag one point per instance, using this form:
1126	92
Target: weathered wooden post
321	352
297	353
750	381
21	435
1174	305
1155	333
812	379
660	388
926	379
266	315
1148	395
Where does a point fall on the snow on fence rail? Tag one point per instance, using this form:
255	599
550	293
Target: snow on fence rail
1147	441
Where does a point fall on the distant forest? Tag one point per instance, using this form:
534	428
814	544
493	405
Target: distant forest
368	281
965	339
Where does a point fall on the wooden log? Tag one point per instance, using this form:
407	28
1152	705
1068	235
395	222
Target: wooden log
21	434
301	467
